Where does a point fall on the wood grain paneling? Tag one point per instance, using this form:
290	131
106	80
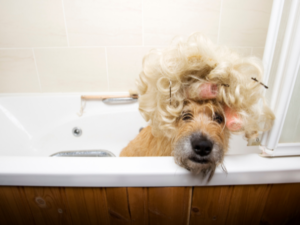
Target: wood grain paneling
14	207
210	205
87	205
169	205
277	204
3	219
283	205
247	204
48	205
138	201
118	208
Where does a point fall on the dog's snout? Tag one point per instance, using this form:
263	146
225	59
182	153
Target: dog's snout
202	147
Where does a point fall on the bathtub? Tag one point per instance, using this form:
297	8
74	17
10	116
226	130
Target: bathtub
34	127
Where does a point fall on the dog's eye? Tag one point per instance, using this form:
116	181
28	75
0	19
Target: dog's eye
187	116
218	118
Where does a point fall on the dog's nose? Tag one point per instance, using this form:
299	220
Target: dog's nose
202	147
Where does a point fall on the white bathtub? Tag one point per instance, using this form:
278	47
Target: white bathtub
33	127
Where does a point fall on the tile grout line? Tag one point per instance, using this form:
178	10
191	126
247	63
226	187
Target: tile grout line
133	46
107	69
62	47
143	26
36	69
219	28
65	20
232	46
129	46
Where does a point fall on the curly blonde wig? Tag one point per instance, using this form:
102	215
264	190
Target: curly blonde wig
176	73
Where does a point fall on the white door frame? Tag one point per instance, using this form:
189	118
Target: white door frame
285	77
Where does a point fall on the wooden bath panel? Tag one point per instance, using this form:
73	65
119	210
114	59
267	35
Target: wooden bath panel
250	204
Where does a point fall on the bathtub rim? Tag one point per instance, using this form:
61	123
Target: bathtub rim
139	171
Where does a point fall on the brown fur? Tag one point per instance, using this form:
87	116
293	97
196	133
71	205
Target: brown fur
201	124
145	144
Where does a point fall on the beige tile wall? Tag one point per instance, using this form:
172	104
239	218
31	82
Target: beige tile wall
93	46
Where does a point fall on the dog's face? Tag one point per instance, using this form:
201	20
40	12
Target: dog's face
201	139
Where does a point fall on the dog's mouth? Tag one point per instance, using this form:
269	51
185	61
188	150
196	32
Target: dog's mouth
199	160
201	166
198	154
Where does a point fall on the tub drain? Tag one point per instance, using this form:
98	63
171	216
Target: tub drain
76	131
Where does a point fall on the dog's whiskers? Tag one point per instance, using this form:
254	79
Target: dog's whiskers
224	168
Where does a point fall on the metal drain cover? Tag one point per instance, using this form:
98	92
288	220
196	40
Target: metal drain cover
84	153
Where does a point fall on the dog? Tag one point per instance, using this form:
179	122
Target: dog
199	143
194	95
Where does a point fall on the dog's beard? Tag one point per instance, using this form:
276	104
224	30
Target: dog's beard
204	166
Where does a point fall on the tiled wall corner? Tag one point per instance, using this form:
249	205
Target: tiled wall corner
124	66
165	19
258	52
242	51
18	72
93	46
32	23
72	69
247	51
104	23
245	23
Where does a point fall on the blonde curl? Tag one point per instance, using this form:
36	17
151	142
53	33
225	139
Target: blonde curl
189	64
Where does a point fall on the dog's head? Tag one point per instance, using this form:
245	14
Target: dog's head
201	138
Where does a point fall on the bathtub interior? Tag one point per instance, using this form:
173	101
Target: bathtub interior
41	125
